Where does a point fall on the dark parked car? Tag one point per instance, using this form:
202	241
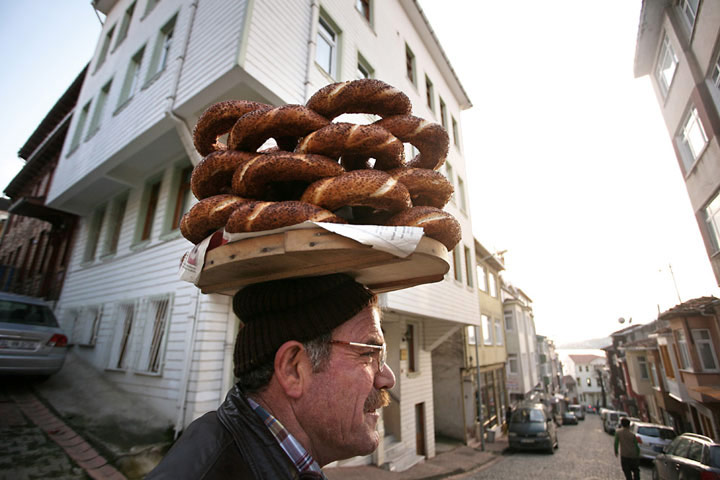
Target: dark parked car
31	341
532	428
569	418
578	410
688	456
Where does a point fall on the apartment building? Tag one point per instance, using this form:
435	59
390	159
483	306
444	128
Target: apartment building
678	48
36	239
587	372
521	343
125	172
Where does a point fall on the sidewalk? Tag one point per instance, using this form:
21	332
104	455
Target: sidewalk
448	462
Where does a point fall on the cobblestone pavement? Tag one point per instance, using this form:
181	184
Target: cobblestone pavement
37	444
585	451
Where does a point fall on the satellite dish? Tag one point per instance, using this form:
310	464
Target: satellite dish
621	320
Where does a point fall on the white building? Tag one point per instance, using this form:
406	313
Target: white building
125	171
522	355
587	371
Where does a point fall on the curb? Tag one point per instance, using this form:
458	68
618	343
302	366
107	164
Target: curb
82	453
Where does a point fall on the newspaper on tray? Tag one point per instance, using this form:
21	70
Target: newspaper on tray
398	241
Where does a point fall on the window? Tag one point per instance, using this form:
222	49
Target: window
410	64
117	214
87	323
578	381
666	362
643	367
712	220
468	267
364	70
124	318
509	323
653	375
411	340
471	339
326	50
80	126
125	24
161	53
132	77
587	368
183	197
363	6
99	108
487	330
455	131
482	277
666	65
705	349
429	94
692	140
715	74
689	9
492	282
512	363
457	263
450	177
461	192
154	332
105	48
498	333
152	194
94	228
150	5
589	382
684	354
443	114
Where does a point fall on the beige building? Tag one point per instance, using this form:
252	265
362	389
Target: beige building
677	46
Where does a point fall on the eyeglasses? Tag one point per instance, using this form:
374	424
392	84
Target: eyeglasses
381	349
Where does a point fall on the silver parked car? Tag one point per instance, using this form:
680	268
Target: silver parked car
652	438
688	456
31	341
578	411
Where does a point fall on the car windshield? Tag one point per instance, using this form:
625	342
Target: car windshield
26	314
527	415
664	433
613	416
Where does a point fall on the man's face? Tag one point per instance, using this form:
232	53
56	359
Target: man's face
340	411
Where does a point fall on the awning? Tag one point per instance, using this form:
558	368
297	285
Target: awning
712	392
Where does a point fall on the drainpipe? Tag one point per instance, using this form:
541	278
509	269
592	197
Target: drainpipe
479	391
186	139
314	15
181	125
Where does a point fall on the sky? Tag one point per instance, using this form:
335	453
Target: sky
570	167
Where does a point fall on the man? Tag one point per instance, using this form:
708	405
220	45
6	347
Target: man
629	450
310	363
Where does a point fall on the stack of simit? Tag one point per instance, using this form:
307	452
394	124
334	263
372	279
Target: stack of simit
321	170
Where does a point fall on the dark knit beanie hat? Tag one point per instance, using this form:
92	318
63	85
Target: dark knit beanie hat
299	309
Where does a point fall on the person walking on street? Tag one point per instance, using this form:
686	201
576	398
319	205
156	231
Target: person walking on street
629	450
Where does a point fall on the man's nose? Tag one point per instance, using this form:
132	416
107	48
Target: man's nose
385	379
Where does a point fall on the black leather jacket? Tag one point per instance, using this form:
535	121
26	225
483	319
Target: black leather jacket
231	443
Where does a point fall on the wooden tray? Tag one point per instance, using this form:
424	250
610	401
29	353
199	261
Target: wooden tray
299	253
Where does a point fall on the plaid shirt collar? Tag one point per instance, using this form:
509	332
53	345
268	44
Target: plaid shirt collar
300	457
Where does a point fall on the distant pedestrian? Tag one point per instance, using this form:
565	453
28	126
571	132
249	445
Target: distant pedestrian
508	415
629	450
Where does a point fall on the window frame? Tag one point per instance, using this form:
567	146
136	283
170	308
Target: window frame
327	26
148	211
132	83
492	285
95	227
667	52
643	368
457	264
121	342
410	65
125	25
709	343
684	359
429	94
499	337
470	333
100	103
687	12
443	113
691	126
86	324
488	332
468	267
711	217
80	126
363	64
512	359
155	327
509	316
161	52
455	131
118	209
105	48
365	9
481	272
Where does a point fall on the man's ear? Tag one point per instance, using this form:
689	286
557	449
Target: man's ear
292	368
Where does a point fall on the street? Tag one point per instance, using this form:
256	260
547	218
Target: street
585	451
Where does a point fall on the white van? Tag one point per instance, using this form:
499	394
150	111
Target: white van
612	420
